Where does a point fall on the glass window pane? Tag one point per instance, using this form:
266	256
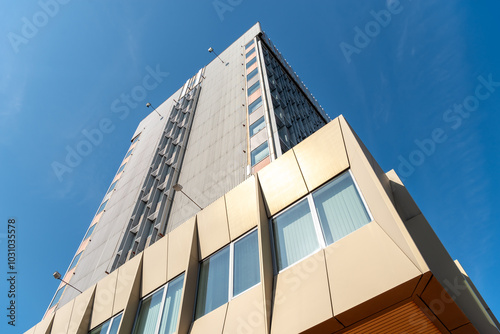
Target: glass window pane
213	287
128	153
255	105
101	208
246	263
254	88
148	314
257	126
249	44
294	234
172	304
121	168
260	153
115	324
102	329
113	185
251	62
89	232
340	208
75	260
57	296
251	52
252	74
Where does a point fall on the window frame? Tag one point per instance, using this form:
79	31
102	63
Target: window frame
162	307
77	258
112	187
91	229
120	169
111	320
250	127
230	295
257	161
316	222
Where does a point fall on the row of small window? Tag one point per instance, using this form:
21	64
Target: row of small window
321	218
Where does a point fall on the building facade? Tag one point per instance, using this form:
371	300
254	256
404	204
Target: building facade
290	225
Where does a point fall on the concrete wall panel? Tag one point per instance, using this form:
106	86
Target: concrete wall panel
212	227
242	211
154	267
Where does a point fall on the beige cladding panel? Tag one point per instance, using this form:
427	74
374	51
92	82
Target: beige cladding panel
212	227
381	208
154	266
282	183
322	155
212	322
363	265
179	248
45	325
245	313
302	297
80	317
242	212
103	300
128	274
62	318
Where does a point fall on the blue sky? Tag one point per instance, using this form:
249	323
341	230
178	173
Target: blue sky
401	87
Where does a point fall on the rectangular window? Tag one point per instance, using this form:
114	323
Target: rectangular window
128	153
159	311
255	105
249	44
340	208
101	208
218	273
57	296
113	185
75	260
323	217
294	234
251	62
260	153
251	52
136	138
89	231
213	283
253	88
246	263
252	74
109	327
257	126
121	168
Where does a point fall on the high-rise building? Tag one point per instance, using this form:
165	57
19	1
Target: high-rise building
241	208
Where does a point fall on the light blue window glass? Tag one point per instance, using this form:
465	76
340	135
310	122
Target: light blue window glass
251	62
260	153
113	185
246	272
109	327
136	138
340	208
257	126
149	310
89	232
101	208
75	260
57	296
252	74
128	153
251	52
213	286
253	88
168	324
294	234
121	168
249	44
255	105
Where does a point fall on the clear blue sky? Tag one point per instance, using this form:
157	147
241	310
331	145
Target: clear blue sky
397	88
